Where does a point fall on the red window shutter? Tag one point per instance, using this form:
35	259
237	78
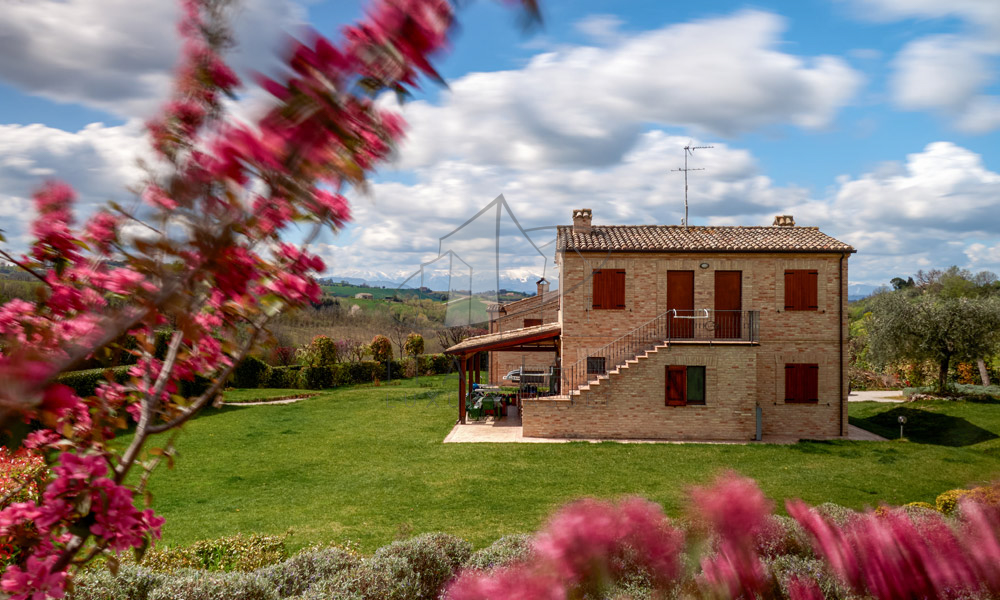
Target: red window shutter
791	383
617	299
608	288
599	288
532	322
676	385
802	383
810	281
801	289
810	383
791	291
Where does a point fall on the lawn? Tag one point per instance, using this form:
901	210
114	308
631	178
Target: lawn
366	464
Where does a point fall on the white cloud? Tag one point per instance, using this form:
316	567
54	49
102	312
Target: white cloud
99	162
603	29
118	55
935	210
586	106
947	73
401	228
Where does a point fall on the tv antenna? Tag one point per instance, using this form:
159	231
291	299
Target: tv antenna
689	149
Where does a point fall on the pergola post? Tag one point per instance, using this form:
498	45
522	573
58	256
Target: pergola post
468	371
478	365
461	390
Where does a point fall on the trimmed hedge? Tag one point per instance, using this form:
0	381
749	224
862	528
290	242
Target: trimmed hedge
84	383
251	373
284	377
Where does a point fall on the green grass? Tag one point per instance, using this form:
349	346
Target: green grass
348	291
263	395
477	316
365	463
937	422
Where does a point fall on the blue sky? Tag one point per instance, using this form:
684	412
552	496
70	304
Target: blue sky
876	120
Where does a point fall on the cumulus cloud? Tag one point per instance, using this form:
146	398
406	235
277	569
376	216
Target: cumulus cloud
586	106
401	227
118	55
947	73
99	162
934	210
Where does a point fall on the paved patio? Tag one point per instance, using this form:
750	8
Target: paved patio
878	396
508	430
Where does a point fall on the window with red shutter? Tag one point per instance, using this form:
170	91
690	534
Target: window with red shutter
801	289
801	383
608	289
676	385
532	322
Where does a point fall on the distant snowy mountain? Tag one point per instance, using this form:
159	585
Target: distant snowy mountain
434	282
859	291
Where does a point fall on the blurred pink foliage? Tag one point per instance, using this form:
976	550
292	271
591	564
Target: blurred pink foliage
587	547
202	257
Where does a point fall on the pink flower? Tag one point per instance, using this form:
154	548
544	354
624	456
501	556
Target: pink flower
37	581
155	196
516	583
736	511
101	229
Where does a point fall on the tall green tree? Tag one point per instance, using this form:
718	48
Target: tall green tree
937	327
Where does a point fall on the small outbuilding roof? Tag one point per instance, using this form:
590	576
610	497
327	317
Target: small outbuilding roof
537	335
676	238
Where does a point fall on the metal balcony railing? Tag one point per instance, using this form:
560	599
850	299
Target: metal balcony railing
698	325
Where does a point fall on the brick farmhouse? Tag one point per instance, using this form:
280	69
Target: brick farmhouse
672	332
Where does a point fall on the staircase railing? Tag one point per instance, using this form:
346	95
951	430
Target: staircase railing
697	325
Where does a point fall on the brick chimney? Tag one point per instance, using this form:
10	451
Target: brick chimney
543	286
783	221
581	220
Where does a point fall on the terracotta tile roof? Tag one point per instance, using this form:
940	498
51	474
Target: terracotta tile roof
675	238
525	304
511	337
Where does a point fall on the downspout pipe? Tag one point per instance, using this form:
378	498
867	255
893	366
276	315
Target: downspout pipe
840	329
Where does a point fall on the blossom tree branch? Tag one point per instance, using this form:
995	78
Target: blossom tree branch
211	259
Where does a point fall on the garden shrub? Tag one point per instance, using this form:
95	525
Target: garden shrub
381	348
316	378
783	535
205	585
84	383
307	568
283	378
786	566
131	583
434	558
918	505
948	501
504	552
440	364
251	373
194	387
840	515
321	352
387	578
235	553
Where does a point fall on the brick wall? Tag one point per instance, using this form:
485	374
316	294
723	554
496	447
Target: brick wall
784	336
544	308
631	403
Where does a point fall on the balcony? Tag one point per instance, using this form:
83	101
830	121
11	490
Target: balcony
709	326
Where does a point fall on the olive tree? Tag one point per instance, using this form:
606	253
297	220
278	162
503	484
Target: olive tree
932	327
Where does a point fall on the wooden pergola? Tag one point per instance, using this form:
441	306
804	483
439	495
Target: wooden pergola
540	338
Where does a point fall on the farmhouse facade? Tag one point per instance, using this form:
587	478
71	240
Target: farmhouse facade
540	309
672	332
